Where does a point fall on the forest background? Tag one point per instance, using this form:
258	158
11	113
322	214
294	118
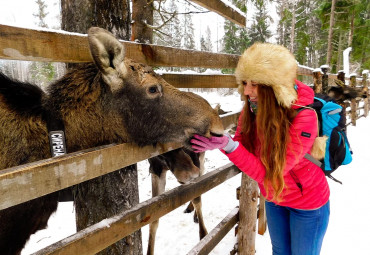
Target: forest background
315	31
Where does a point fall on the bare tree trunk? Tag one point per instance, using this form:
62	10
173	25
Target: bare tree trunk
142	19
330	37
292	33
113	15
340	49
110	194
352	28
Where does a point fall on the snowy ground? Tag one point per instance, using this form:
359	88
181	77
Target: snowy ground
349	227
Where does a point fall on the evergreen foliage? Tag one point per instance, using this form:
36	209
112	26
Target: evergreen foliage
350	30
236	38
259	31
310	20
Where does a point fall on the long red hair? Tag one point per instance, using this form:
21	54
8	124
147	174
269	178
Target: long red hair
269	128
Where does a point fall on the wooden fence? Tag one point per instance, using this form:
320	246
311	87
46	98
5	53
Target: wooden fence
23	183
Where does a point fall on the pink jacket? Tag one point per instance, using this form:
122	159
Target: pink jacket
314	191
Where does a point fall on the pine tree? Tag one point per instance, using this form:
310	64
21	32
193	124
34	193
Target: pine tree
188	31
350	19
285	23
207	41
235	39
361	38
259	31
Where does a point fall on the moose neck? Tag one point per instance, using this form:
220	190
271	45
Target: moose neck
85	109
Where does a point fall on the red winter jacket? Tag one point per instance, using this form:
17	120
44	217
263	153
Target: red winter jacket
303	131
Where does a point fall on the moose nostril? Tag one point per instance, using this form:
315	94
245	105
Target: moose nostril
218	135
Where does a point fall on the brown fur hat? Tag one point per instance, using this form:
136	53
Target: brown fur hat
272	65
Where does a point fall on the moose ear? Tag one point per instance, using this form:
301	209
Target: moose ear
108	55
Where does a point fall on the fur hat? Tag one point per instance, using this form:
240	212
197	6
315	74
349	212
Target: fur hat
271	65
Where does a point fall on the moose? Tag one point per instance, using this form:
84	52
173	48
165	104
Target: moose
340	92
112	100
185	165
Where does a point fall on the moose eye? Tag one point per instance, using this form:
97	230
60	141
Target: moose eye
153	89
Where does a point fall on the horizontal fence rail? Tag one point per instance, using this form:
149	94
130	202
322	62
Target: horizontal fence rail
58	46
206	245
100	235
224	10
25	182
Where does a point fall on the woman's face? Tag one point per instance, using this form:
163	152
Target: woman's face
250	90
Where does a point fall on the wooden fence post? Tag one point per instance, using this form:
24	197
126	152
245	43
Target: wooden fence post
352	78
247	216
262	220
325	79
317	80
365	90
341	76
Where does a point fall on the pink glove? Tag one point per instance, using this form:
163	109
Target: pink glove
201	143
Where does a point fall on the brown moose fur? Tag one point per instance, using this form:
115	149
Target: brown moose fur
114	100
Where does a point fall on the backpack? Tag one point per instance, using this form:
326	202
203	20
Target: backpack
332	123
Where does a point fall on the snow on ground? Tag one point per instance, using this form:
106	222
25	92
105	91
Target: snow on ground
348	231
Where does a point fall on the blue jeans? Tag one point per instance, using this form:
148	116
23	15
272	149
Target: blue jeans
296	232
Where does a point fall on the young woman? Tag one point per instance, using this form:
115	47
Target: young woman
270	143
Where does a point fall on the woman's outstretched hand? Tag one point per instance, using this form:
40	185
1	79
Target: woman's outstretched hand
200	143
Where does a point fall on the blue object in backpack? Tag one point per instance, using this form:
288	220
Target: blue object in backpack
332	123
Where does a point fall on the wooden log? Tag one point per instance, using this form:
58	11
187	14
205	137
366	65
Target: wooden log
226	11
306	71
365	89
98	236
211	81
341	76
247	216
59	46
262	220
200	81
325	79
353	101
22	183
317	81
208	243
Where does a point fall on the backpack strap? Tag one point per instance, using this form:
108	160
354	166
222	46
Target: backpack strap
313	160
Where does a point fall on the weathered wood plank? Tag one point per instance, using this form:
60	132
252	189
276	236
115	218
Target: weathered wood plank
208	243
25	182
200	81
58	46
352	84
303	70
98	236
210	81
230	120
22	183
224	10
